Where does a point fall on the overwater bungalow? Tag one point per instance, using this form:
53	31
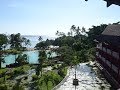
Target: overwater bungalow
108	53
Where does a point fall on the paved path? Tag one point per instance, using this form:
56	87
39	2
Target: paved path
88	80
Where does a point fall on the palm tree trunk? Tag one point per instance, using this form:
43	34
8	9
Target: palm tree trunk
41	72
15	58
4	78
75	71
75	87
47	86
0	64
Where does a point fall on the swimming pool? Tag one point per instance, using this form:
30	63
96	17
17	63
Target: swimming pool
32	57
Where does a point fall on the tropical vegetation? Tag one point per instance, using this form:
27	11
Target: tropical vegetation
73	47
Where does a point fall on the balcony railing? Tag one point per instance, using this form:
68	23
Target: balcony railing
109	57
114	74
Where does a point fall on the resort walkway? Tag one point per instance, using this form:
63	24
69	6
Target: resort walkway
88	79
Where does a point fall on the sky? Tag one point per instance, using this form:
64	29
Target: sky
45	17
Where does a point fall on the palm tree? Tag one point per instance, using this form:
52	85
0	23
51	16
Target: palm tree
1	59
49	54
38	69
3	43
40	38
15	53
22	59
40	66
72	29
60	34
77	31
50	57
26	41
69	33
74	62
42	57
83	30
16	41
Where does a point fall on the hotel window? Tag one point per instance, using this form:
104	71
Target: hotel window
99	46
115	54
108	63
97	53
115	68
104	49
100	56
103	59
108	51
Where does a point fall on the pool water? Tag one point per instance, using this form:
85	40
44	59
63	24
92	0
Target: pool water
32	57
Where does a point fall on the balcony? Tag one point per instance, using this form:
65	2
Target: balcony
107	56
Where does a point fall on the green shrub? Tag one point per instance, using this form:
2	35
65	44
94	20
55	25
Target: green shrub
19	71
58	66
34	77
44	65
54	67
1	80
16	72
8	77
51	78
26	67
3	87
57	79
18	87
62	72
2	71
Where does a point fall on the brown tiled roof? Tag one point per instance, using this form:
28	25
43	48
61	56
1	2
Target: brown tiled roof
113	40
110	35
113	30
